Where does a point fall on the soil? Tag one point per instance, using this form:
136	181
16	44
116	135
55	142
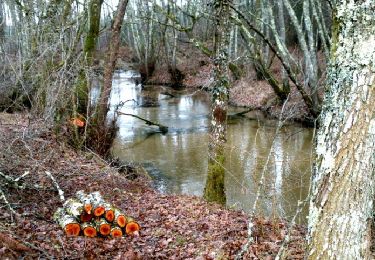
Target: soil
172	226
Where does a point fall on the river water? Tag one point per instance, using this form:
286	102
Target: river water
257	149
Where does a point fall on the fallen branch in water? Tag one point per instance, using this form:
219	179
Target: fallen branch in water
162	128
242	113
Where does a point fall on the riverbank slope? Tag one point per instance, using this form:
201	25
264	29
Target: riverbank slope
173	226
247	89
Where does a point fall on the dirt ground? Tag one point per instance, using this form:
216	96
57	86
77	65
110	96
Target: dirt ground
172	226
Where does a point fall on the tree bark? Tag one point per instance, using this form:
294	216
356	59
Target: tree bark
214	189
2	23
341	205
94	27
111	62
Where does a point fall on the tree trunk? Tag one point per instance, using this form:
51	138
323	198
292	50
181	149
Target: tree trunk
341	205
2	23
281	21
214	189
111	62
94	27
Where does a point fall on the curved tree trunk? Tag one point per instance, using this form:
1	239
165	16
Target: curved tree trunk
111	59
102	132
341	206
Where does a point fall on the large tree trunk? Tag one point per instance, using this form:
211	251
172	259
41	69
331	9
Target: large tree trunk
341	206
214	189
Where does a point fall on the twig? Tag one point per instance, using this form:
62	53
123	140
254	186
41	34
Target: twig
250	239
32	246
20	177
60	191
286	239
12	243
14	182
7	202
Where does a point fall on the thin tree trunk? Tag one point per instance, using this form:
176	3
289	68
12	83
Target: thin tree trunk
341	204
111	61
2	22
281	22
308	50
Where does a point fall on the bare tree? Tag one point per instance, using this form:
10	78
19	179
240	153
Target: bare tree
341	205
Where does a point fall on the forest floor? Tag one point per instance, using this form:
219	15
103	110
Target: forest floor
172	226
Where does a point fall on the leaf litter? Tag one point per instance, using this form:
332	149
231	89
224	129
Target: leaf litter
172	226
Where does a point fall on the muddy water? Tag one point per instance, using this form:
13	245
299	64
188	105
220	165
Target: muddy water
257	149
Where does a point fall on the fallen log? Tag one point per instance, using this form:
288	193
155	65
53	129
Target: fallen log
103	227
120	218
109	214
88	230
240	114
162	128
85	217
12	244
98	204
94	216
67	222
132	227
85	199
73	207
116	232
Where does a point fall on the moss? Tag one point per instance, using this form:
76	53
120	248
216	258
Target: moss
81	92
94	27
214	190
236	70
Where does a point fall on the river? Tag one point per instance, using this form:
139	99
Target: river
257	149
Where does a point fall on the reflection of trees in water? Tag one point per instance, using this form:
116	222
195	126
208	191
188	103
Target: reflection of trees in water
181	155
286	175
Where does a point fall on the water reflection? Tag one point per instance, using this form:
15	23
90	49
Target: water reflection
178	160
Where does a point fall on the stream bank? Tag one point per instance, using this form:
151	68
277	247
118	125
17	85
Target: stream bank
257	148
246	91
172	226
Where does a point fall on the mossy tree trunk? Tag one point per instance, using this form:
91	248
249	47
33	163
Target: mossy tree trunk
94	11
343	182
82	83
214	189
